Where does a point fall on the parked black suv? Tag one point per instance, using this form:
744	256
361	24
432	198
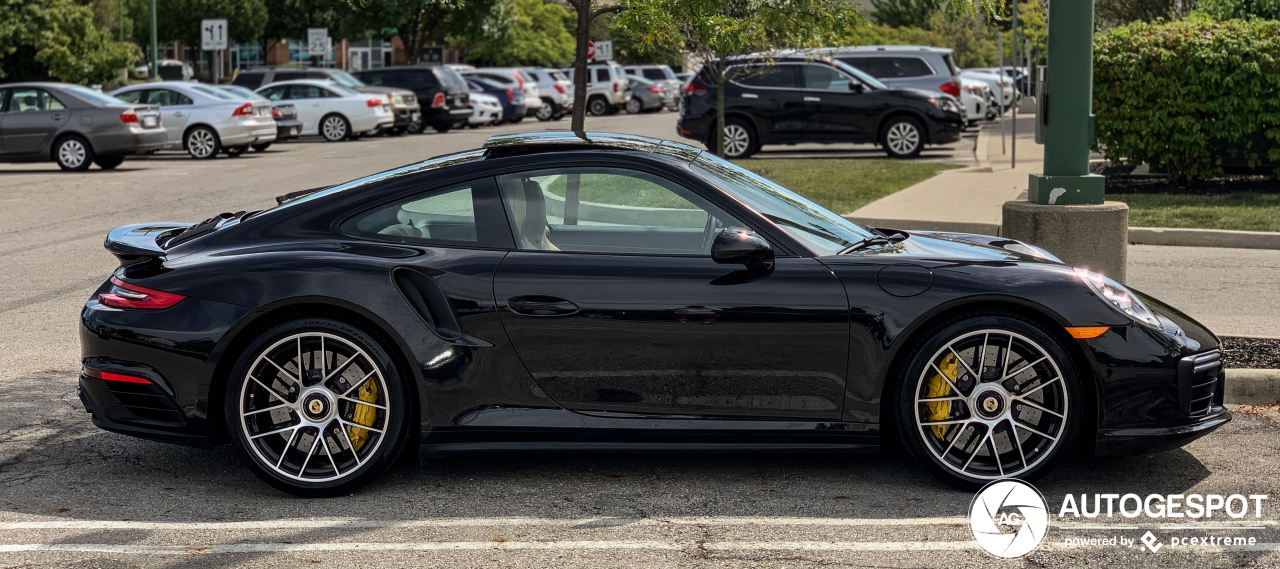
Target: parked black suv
403	102
445	96
793	99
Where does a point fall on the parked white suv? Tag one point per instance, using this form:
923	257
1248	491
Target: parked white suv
556	91
608	89
205	120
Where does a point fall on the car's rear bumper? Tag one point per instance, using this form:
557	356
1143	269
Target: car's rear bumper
129	141
288	129
447	116
248	133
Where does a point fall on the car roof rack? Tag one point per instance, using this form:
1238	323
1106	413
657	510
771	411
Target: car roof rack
509	144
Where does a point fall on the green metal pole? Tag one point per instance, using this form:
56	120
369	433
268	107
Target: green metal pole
155	52
1068	116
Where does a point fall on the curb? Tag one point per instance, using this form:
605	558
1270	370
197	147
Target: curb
1204	238
980	154
1251	386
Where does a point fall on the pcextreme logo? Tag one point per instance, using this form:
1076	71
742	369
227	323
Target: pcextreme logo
1009	518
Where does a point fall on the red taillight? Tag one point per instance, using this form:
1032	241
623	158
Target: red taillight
951	88
374	103
560	88
519	79
694	89
510	97
245	110
616	87
129	117
116	377
131	296
655	89
437	102
275	113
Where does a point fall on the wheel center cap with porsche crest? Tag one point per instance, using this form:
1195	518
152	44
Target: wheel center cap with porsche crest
316	406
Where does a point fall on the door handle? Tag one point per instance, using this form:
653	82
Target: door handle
812	100
541	306
177	113
750	96
56	117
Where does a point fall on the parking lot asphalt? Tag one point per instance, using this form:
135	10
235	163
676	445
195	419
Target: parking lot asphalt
73	495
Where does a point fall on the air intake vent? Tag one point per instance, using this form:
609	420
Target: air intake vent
1200	383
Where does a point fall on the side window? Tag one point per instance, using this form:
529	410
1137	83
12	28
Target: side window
372	78
49	102
602	74
655	73
466	214
288	76
131	96
896	67
28	99
306	92
274	93
251	80
825	78
166	98
617	211
870	65
4	97
776	76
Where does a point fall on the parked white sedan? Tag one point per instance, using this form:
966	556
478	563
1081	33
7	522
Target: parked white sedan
204	120
485	110
331	110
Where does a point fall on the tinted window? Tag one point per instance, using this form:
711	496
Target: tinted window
166	98
823	77
655	73
251	79
307	92
778	76
619	211
274	93
26	99
378	77
289	76
895	67
602	74
131	96
449	78
445	215
869	65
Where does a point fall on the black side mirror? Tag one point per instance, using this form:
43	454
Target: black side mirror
856	87
742	246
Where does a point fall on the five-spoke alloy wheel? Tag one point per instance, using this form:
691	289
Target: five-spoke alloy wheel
989	397
902	137
316	407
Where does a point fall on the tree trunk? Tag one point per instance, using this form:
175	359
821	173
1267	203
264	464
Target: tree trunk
581	36
719	144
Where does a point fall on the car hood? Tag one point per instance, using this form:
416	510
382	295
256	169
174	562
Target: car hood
950	246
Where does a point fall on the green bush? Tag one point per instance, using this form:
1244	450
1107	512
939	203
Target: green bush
1240	9
1185	96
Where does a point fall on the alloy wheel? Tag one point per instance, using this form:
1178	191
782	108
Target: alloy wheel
334	128
72	153
314	407
201	143
736	140
599	107
544	112
903	138
991	404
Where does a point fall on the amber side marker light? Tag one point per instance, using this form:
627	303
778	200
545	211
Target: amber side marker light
1087	332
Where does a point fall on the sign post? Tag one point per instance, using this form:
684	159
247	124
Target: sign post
213	37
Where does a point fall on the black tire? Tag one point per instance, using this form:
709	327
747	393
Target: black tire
740	139
442	128
235	151
598	106
335	127
546	111
1044	396
73	153
416	127
202	143
337	416
109	162
902	137
262	147
634	107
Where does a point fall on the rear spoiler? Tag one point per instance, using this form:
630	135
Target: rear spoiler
280	200
139	243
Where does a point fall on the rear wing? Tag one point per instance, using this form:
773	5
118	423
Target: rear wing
139	243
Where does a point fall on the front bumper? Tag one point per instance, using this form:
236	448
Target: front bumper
406	116
1145	440
946	129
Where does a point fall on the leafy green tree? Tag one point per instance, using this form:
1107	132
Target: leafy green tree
1240	9
424	23
538	35
716	30
289	19
42	39
904	13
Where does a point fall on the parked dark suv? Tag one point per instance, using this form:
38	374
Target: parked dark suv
793	100
445	96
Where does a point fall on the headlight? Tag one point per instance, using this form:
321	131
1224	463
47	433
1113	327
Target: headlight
1119	297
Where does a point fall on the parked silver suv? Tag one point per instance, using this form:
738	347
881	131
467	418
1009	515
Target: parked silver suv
608	89
556	91
905	66
662	75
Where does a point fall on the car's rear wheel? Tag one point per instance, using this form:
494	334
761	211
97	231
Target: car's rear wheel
739	139
597	106
334	128
203	143
316	407
73	153
902	137
109	162
634	107
235	151
988	396
546	111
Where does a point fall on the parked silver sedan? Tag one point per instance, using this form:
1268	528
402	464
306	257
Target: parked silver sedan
74	126
205	120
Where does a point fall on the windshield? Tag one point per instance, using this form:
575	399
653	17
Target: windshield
94	96
860	74
345	79
809	223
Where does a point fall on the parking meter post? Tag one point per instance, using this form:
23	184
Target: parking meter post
155	59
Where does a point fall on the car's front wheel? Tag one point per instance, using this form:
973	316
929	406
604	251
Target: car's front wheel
203	143
546	111
316	407
335	128
902	137
988	396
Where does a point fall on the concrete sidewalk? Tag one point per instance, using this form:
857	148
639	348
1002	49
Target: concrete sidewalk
966	200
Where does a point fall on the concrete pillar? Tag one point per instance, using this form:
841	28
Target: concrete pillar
1091	236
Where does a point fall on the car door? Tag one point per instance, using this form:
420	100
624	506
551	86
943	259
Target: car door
175	111
774	96
32	118
311	105
846	109
614	305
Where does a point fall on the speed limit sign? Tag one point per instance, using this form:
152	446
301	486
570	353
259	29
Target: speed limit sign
317	41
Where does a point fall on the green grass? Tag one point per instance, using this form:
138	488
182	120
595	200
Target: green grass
614	189
844	185
1248	211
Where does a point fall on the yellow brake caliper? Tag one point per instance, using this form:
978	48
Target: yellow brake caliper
940	387
364	415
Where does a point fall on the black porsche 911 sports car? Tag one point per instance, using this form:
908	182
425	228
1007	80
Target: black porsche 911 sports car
608	292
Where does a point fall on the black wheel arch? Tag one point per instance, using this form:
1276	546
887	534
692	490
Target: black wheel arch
237	339
1054	324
